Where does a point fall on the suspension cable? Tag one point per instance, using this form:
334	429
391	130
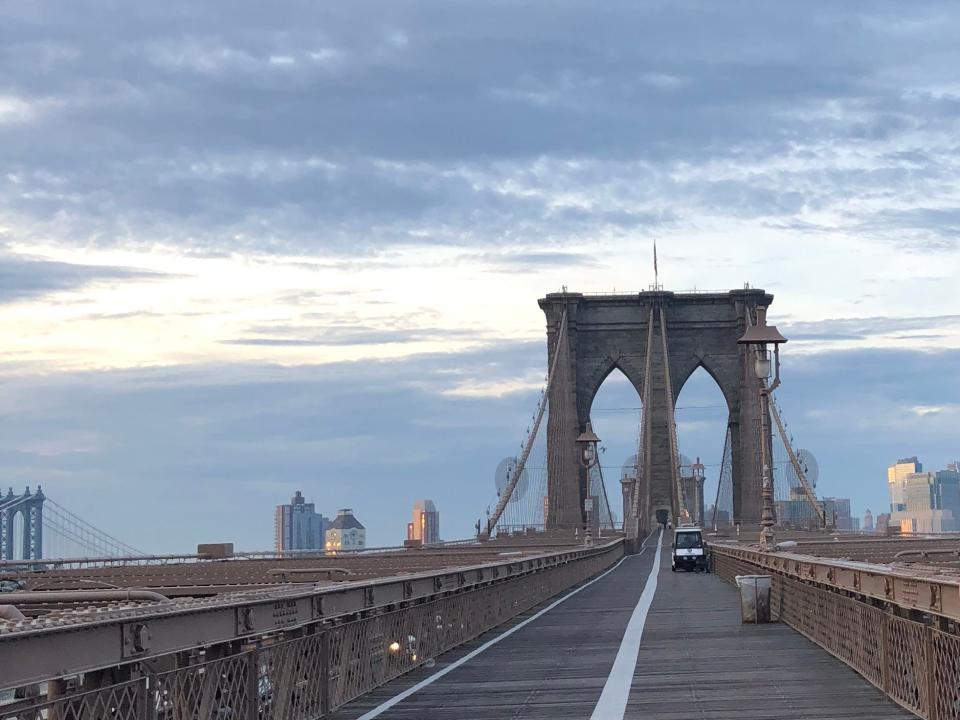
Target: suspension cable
528	446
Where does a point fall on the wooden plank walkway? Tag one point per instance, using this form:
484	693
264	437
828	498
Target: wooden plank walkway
696	661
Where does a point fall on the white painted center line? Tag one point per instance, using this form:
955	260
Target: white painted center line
616	691
387	704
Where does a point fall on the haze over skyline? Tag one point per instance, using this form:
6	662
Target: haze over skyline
246	250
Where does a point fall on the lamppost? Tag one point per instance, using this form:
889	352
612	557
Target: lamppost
698	470
758	337
587	442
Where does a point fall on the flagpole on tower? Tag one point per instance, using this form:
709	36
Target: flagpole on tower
656	272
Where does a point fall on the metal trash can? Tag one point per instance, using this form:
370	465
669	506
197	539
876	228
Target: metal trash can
754	598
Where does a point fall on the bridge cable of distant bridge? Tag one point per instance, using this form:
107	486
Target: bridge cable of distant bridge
34	527
521	502
66	534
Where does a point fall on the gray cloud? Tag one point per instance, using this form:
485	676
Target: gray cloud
23	278
358	127
863	328
525	262
356	336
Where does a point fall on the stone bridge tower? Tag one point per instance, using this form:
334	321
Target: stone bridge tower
29	507
611	331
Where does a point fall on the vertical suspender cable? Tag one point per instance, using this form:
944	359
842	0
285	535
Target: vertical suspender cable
723	465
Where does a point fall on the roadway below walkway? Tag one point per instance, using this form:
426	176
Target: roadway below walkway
611	651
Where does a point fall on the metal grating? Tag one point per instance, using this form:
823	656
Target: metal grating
215	689
124	701
946	675
289	677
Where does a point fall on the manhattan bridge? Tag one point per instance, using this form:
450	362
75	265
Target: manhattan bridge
554	609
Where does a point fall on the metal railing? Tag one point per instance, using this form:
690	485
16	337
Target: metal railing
307	670
61	563
650	289
912	655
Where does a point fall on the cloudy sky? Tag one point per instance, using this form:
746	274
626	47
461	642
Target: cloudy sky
250	248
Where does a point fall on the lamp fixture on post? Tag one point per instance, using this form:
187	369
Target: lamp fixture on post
587	442
758	337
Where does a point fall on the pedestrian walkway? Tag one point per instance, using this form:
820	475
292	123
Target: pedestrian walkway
695	660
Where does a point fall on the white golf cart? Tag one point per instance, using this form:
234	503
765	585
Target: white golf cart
688	550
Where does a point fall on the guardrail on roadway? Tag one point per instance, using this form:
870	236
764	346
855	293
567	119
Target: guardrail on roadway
292	654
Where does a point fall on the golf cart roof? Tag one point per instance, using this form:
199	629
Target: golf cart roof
688	529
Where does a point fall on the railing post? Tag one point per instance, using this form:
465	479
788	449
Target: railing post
54	692
146	697
931	674
253	685
325	673
884	651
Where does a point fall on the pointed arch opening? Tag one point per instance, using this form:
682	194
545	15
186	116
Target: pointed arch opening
702	414
615	416
18	521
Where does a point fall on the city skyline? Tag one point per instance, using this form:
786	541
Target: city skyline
242	246
924	501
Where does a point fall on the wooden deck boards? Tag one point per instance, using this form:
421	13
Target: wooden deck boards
696	661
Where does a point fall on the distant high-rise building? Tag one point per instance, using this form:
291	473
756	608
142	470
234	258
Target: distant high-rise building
948	489
920	492
297	526
717	516
896	475
797	510
345	533
838	512
932	503
868	521
883	523
425	526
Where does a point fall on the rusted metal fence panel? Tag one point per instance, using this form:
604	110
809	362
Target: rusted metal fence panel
123	701
289	679
946	676
214	689
914	663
